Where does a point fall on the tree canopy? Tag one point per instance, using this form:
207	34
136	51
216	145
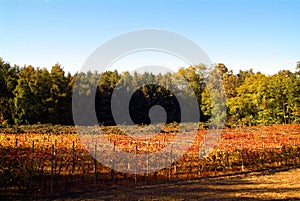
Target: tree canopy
31	95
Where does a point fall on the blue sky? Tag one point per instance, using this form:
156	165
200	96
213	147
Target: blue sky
259	34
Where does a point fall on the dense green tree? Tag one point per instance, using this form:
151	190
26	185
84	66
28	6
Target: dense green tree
34	95
196	77
243	108
25	101
59	102
214	97
8	82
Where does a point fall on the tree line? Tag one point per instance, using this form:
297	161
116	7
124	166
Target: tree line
31	95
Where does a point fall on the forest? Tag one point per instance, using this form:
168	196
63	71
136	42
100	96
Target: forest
31	95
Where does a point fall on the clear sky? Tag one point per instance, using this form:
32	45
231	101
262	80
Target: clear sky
243	34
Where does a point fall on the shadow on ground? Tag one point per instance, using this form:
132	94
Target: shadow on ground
280	184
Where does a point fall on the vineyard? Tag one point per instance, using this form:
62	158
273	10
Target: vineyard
43	160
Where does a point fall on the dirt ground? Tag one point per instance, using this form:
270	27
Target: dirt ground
265	185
